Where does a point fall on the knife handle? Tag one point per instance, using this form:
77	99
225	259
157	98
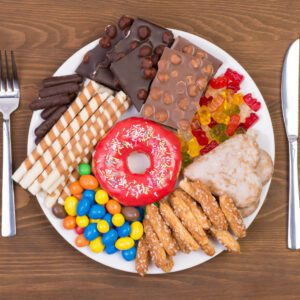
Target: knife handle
294	205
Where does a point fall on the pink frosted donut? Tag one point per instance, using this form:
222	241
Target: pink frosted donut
137	135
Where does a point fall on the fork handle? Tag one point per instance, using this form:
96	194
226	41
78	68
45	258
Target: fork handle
294	205
8	201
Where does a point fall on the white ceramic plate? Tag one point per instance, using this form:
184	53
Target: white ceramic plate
265	139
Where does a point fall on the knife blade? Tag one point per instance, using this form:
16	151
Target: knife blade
290	111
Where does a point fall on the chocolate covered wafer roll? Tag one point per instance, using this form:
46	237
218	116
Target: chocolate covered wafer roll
46	113
47	124
56	80
51	101
67	88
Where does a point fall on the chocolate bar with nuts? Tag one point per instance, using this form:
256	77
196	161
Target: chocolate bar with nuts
95	64
175	92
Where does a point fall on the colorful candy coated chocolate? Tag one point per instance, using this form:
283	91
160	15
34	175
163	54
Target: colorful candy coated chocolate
130	213
103	226
111	249
96	245
110	237
59	211
82	221
79	230
84	169
69	222
88	182
97	211
81	241
124	243
91	232
101	197
124	230
108	219
129	254
89	194
118	220
75	188
70	205
83	206
137	230
113	207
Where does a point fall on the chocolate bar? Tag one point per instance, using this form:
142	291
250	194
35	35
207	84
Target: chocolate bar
135	72
140	32
95	64
180	81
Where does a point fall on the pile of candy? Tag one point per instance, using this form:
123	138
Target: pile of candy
223	112
100	222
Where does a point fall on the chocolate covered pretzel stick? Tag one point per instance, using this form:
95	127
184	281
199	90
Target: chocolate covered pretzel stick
109	110
63	138
67	88
46	113
82	99
56	80
48	102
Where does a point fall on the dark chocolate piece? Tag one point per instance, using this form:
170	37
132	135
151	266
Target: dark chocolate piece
56	80
175	92
48	102
95	64
46	113
67	88
47	124
140	32
134	74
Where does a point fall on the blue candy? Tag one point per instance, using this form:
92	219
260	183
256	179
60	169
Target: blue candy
91	232
111	249
142	212
97	211
83	207
129	254
110	237
124	230
108	219
89	194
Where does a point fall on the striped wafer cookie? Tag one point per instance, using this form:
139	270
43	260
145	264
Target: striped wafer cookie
110	112
79	121
83	97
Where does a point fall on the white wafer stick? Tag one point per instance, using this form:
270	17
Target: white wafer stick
83	97
63	139
110	113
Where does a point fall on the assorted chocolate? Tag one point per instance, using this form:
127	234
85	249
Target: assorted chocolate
181	79
54	97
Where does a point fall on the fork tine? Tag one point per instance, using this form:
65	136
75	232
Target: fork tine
8	81
14	72
2	84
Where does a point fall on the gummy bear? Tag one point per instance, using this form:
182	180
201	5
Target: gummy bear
252	102
212	123
200	135
233	85
233	76
250	121
186	160
218	132
193	147
205	100
233	124
204	115
215	103
237	99
219	82
231	109
221	117
213	144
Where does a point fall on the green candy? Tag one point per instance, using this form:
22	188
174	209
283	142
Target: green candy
84	169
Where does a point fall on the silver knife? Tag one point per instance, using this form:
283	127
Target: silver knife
290	110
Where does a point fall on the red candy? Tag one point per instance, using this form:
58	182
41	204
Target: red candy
79	230
252	102
233	124
233	85
205	101
233	76
200	135
250	121
213	144
219	82
212	123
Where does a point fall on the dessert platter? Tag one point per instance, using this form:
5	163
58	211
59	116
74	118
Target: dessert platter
150	150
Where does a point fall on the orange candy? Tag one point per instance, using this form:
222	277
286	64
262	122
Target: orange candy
69	222
88	182
113	207
78	196
75	188
81	241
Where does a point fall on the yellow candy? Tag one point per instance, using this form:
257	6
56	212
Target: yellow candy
124	243
70	206
221	117
101	197
137	230
96	245
237	99
215	104
204	115
103	226
82	221
118	220
94	220
193	147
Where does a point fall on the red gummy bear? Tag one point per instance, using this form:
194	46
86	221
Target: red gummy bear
233	85
212	123
233	76
213	144
205	101
233	124
200	135
252	102
250	121
219	82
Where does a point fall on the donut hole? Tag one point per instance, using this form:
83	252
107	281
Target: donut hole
138	162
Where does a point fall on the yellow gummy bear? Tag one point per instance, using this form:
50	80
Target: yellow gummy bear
221	117
193	147
204	115
237	99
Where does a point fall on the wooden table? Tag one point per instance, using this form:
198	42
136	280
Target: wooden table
38	263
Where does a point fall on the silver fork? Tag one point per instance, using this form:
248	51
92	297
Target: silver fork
9	102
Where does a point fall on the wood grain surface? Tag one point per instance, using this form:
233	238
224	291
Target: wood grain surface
38	263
